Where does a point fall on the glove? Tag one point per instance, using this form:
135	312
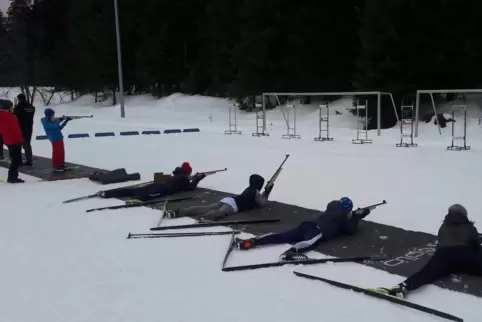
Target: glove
68	119
199	176
267	190
361	213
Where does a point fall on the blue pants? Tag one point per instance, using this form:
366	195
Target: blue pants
306	237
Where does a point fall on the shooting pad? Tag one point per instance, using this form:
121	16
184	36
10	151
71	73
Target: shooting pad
408	251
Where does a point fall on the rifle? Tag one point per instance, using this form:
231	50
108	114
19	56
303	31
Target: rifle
63	117
275	175
372	207
209	173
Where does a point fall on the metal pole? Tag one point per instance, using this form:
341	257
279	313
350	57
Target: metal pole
379	114
119	60
417	111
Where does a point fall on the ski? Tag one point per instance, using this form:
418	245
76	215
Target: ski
163	214
141	204
213	224
310	261
161	235
393	299
230	249
81	198
96	194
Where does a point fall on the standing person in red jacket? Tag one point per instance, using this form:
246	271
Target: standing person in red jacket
12	138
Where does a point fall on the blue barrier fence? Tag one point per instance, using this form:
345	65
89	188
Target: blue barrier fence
124	133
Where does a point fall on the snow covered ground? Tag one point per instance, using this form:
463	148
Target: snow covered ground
62	264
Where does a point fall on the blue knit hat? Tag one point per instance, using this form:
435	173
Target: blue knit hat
346	203
49	112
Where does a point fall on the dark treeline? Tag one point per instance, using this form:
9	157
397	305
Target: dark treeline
241	48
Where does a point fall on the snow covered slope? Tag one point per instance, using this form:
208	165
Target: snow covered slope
418	183
62	264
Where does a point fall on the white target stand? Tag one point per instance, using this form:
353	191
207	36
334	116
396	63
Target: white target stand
324	124
359	127
260	121
406	127
455	137
233	121
290	118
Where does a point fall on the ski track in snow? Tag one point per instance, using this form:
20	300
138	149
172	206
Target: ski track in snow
62	264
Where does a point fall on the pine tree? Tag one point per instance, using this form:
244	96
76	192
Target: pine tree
411	45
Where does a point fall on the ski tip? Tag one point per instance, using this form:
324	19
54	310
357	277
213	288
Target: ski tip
129	236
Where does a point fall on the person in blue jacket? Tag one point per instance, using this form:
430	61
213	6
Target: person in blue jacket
338	219
53	129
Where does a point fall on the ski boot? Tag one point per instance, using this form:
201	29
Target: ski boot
292	255
171	214
245	244
16	180
399	291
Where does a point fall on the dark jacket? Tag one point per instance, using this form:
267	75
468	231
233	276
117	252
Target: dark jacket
333	222
458	230
178	182
251	197
25	113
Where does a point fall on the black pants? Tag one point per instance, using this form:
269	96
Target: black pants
27	146
145	193
306	237
447	261
15	152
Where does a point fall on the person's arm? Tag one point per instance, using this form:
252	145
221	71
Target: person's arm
195	180
474	240
64	123
260	199
349	226
51	125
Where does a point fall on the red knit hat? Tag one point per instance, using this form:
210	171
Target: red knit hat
186	167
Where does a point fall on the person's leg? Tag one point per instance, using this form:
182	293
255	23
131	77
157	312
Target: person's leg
27	146
311	238
437	267
222	211
15	152
56	158
198	210
123	192
61	153
294	235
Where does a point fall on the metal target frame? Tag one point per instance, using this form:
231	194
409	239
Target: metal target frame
261	128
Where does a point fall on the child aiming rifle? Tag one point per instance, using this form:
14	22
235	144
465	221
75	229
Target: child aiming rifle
249	199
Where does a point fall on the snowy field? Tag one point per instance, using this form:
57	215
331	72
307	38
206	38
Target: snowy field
62	264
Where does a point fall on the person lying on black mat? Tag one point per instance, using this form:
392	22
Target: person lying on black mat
338	219
249	199
458	251
178	182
